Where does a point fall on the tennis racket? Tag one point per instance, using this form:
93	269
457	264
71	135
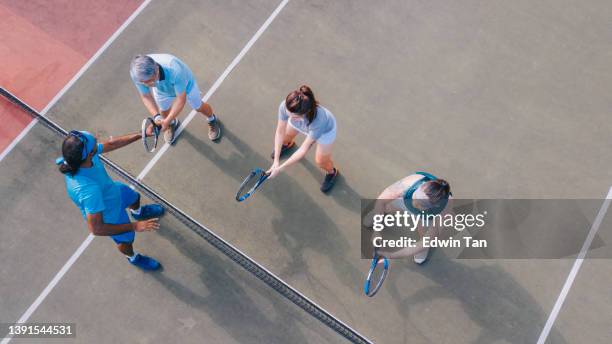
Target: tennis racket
150	133
251	183
376	276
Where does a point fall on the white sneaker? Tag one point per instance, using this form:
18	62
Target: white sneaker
421	257
169	134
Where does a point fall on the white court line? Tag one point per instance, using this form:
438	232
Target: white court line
16	140
27	129
215	86
52	284
574	272
144	172
74	79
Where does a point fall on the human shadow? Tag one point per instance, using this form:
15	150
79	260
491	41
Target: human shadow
530	229
303	225
227	302
490	296
342	193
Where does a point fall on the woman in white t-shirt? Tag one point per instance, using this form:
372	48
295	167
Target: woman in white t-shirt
304	115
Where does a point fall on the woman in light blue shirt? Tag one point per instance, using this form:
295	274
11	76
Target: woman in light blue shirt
304	114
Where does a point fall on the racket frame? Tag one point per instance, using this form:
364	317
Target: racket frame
367	286
143	132
251	175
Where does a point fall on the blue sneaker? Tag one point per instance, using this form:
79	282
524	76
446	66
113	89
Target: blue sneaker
149	211
144	262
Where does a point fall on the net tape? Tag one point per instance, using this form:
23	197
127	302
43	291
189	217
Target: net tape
216	241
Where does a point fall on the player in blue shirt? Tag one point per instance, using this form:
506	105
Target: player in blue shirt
102	201
165	84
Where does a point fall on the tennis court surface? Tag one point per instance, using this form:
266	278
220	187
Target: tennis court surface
505	100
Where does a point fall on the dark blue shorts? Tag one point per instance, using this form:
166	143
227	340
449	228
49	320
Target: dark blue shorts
128	197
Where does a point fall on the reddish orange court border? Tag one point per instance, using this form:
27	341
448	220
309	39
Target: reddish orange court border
44	44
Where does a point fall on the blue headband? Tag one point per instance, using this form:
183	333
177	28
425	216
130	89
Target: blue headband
89	142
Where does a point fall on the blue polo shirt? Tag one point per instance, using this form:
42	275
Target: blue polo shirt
175	77
93	191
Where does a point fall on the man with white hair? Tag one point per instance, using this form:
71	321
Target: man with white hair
165	84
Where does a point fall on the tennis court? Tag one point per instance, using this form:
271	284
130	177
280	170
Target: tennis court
505	100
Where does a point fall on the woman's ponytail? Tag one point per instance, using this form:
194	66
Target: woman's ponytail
437	190
302	101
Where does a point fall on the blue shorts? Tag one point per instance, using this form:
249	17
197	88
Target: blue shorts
128	197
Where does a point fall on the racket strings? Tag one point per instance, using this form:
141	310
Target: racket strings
252	182
150	131
376	275
249	185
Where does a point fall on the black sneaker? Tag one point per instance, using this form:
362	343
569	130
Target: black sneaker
214	130
284	149
330	180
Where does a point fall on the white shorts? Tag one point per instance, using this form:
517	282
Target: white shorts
164	102
325	139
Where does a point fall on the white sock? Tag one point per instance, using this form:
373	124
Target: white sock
212	118
137	211
132	257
